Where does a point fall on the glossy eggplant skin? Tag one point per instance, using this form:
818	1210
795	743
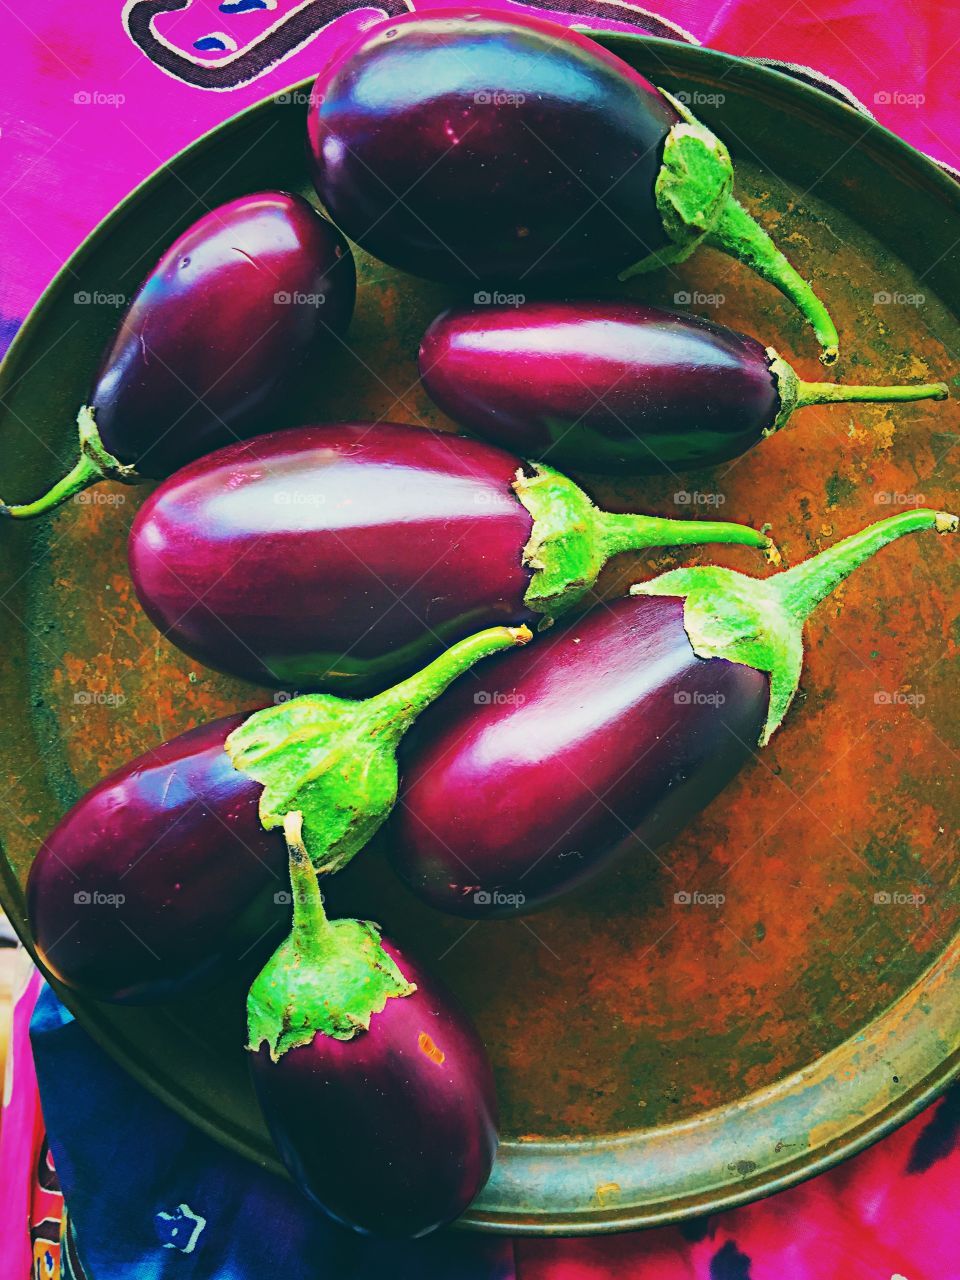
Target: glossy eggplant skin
161	877
344	554
211	345
436	144
612	734
601	386
394	1132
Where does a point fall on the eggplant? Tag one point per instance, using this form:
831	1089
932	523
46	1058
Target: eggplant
615	732
211	346
618	386
374	1083
476	147
159	880
339	556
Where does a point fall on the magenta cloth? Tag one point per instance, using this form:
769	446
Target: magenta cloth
85	114
21	1134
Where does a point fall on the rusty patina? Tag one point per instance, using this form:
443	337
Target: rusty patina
659	1051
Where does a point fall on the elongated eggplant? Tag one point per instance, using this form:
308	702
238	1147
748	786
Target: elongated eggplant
211	345
160	878
618	386
343	555
478	147
618	730
374	1083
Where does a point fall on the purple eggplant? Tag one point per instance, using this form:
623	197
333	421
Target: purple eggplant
212	345
155	881
618	386
342	555
473	146
614	731
160	878
374	1083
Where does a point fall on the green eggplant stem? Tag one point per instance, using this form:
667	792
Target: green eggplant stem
571	539
311	928
759	622
634	532
396	708
93	465
839	393
695	200
737	234
804	586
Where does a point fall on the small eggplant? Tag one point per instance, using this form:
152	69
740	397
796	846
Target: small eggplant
374	1083
156	881
346	555
483	147
618	386
212	344
616	731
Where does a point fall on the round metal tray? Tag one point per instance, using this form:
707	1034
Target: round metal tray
657	1056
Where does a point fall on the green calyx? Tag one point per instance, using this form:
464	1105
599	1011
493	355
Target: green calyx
334	759
329	977
793	393
94	464
694	195
571	539
760	623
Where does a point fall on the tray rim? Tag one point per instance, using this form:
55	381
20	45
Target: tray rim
679	59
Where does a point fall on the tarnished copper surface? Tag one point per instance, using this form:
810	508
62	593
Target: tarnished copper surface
625	1010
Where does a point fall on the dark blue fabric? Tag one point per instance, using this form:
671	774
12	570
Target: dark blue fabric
152	1198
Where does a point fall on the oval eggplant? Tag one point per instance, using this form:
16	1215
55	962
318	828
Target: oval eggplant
617	386
346	554
615	731
159	879
374	1083
479	147
209	349
155	880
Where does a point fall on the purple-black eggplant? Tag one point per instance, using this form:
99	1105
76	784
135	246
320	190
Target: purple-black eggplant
480	147
618	386
213	343
613	732
341	556
374	1083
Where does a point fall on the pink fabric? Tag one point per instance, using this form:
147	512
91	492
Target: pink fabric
21	1135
